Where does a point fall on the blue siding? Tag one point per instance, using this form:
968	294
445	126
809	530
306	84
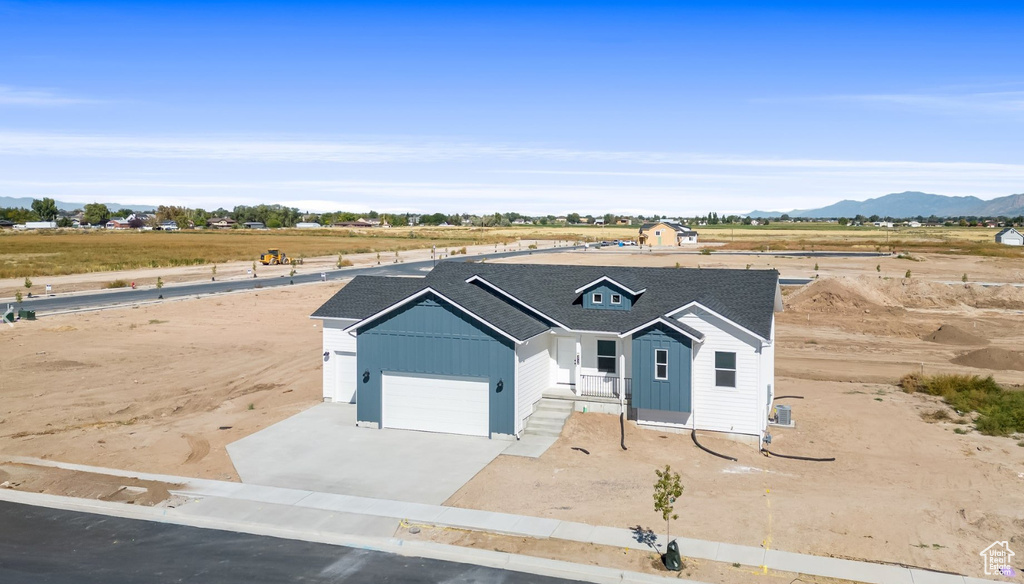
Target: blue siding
431	336
606	291
673	394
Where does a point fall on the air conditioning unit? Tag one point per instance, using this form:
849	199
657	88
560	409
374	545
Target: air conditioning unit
784	415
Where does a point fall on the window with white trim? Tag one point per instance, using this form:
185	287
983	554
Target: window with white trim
597	298
725	369
661	364
616	299
658	232
606	356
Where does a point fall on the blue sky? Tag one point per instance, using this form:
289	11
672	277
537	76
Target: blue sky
537	107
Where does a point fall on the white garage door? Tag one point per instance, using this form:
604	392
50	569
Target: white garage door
433	403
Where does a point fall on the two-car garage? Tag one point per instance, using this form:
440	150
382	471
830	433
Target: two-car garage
435	403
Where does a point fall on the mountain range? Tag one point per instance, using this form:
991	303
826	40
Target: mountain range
26	202
912	204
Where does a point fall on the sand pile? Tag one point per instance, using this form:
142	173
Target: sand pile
948	334
835	295
992	358
847	294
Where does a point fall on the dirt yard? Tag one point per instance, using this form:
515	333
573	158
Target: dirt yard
164	388
643	560
160	388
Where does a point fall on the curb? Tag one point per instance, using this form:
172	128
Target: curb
428	550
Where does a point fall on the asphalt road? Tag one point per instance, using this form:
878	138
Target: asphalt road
48	546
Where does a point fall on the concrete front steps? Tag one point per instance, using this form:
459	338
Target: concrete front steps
549	417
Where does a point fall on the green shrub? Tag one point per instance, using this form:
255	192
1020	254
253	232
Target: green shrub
117	284
1000	412
705	251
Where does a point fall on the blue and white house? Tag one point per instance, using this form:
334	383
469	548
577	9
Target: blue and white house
471	348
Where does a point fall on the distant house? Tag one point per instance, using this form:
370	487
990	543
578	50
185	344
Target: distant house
5	224
221	222
307	225
40	225
167	226
914	224
358	223
885	224
664	233
622	221
118	223
1010	236
254	225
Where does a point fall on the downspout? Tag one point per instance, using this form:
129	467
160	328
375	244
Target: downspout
622	396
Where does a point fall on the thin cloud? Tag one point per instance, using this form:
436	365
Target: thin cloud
992	103
14	96
366	152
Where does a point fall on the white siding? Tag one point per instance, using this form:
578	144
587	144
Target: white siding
722	409
588	356
335	341
534	367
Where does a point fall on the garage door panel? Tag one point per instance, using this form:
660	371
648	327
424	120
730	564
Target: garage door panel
454	405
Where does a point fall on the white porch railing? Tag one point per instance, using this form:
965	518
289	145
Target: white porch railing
601	386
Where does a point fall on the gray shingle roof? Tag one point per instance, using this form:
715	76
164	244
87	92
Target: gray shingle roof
746	297
367	295
676	226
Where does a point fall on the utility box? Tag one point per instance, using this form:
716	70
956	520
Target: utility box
784	415
27	314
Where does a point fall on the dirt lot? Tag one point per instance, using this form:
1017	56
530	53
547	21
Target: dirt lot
160	388
927	266
164	388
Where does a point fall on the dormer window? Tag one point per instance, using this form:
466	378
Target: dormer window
616	299
597	298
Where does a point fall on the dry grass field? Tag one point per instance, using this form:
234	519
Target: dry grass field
73	252
76	252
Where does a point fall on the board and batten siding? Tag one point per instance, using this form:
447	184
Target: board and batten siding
534	364
336	341
433	337
726	409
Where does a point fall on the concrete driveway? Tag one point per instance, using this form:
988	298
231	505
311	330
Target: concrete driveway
321	449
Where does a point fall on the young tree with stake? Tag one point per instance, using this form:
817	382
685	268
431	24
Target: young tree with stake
666	490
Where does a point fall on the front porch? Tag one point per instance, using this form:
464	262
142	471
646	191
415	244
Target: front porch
594	393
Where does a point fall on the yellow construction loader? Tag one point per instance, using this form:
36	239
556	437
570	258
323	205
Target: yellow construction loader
273	256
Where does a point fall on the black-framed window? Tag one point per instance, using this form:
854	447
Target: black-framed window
725	369
606	356
661	364
597	298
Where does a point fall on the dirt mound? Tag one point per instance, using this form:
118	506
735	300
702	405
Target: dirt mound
992	358
833	295
948	334
857	294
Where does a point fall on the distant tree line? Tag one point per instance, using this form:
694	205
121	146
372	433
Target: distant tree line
275	216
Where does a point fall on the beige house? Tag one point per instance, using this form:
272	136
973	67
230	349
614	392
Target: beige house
664	233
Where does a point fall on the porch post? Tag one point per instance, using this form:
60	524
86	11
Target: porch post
579	366
622	373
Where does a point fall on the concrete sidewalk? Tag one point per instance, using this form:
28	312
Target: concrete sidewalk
315	512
